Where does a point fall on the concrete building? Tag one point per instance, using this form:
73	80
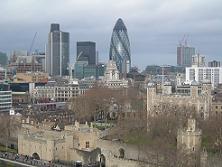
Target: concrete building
57	52
23	63
112	77
214	63
204	74
198	99
198	60
56	92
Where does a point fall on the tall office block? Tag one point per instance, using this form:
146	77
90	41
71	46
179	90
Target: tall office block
3	59
86	51
57	52
120	47
184	55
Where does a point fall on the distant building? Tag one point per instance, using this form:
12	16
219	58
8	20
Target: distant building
3	59
79	69
184	55
90	71
204	74
5	98
56	92
23	63
112	77
6	74
101	67
28	77
40	58
214	63
195	96
120	48
198	60
86	51
57	55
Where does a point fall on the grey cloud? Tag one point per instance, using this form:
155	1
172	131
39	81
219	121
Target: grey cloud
154	26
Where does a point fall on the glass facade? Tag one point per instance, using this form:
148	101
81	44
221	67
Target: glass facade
57	58
86	51
3	59
5	98
120	47
184	56
79	69
90	71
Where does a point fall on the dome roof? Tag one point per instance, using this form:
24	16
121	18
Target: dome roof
119	25
194	83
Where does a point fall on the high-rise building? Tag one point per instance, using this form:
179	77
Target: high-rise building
214	63
120	47
3	59
86	51
184	55
57	54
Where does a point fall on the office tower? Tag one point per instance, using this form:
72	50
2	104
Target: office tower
3	59
198	60
214	63
120	47
184	55
57	52
86	51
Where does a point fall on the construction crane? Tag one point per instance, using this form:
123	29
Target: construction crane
183	41
32	44
30	51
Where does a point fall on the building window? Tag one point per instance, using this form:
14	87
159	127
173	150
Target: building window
87	144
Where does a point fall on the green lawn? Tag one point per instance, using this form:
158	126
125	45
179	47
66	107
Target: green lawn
3	149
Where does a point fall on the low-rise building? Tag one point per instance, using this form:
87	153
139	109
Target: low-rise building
75	143
30	77
57	92
203	74
5	98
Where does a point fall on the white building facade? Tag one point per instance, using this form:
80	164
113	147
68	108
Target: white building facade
204	74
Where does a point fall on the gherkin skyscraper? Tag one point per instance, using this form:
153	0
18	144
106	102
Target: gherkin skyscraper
120	47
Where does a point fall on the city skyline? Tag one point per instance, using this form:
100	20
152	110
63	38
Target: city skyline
154	27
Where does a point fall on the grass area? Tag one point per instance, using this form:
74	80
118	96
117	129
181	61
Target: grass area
102	126
3	149
6	164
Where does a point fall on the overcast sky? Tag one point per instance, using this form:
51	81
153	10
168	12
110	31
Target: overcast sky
155	27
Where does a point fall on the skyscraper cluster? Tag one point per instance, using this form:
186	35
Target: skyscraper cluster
57	53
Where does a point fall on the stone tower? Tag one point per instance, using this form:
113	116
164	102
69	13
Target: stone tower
189	143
